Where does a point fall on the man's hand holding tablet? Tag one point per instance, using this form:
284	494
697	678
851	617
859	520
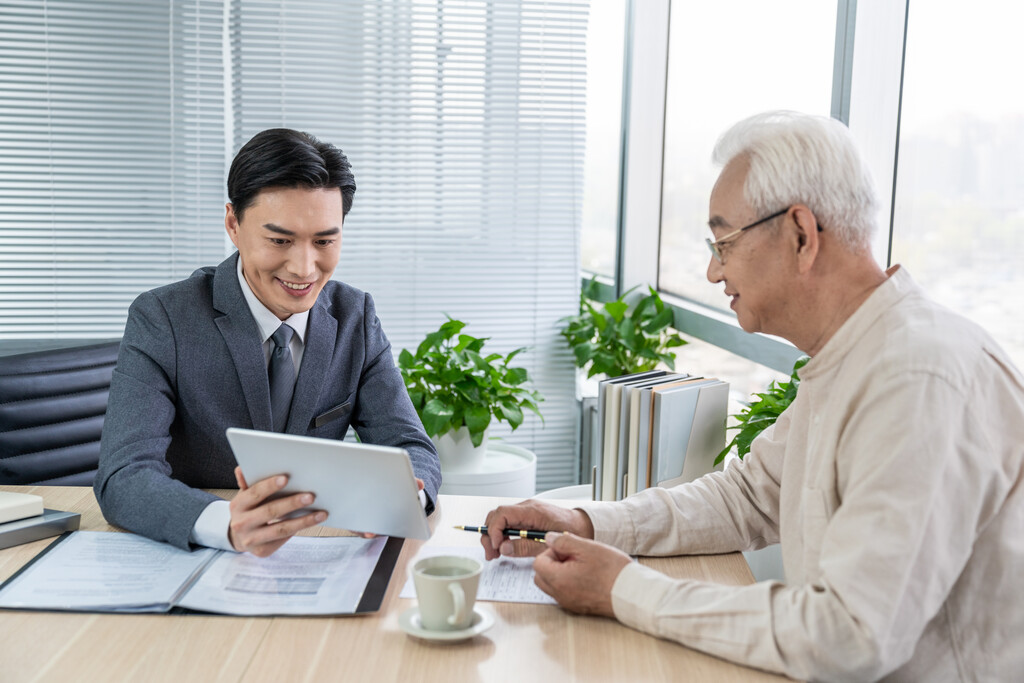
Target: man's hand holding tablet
359	487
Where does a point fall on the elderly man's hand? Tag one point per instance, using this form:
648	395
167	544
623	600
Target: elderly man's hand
532	515
579	573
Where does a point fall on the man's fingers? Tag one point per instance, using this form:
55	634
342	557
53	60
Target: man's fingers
240	478
542	583
253	496
257	538
561	545
521	548
496	523
519	516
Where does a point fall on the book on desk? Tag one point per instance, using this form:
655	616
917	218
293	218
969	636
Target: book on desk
657	428
23	519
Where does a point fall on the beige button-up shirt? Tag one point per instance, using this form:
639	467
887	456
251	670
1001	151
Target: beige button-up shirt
893	483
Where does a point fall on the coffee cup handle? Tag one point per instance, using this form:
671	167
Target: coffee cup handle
459	598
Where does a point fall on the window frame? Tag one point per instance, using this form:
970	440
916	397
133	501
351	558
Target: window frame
645	80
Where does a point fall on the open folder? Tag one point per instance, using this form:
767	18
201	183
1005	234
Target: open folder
96	571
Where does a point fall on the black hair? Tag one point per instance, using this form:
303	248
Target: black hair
281	157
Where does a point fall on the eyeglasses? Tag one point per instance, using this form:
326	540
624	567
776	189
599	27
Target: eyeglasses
714	246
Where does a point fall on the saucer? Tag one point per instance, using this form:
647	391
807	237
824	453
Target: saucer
409	620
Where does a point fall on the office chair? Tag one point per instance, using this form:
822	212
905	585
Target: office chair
52	405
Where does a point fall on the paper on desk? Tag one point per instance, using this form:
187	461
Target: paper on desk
302	577
507	579
94	570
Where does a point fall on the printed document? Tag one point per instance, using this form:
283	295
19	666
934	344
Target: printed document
118	572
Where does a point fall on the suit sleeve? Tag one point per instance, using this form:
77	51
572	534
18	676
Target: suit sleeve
384	414
133	484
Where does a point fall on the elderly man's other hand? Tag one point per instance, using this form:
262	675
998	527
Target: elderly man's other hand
532	515
579	573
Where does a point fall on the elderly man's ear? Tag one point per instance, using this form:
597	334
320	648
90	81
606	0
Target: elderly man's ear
807	237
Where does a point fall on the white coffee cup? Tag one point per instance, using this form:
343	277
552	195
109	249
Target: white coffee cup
446	589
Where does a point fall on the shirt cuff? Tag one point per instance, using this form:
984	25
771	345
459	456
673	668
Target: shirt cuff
423	498
637	594
611	526
211	528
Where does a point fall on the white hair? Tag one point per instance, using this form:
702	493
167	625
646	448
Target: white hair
802	159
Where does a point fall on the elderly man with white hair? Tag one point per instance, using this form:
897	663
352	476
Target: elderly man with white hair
892	483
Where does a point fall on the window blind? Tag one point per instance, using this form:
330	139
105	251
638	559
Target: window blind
464	123
111	157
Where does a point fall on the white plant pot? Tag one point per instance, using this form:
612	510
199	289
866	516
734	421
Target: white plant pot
457	453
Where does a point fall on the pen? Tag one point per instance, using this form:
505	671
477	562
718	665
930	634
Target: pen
515	533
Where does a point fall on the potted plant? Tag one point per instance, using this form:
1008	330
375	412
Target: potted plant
457	391
759	414
618	338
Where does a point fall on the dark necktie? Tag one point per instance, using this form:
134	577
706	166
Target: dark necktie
281	373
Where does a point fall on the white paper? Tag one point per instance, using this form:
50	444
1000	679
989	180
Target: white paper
506	579
325	575
105	571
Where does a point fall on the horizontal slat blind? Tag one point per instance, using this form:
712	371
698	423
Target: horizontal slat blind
464	122
112	153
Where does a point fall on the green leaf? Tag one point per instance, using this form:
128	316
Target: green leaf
583	353
763	412
512	413
432	340
659	322
452	375
450	328
476	437
436	416
516	375
616	309
513	354
477	418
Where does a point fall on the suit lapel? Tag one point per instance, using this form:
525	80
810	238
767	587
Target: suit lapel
242	337
316	360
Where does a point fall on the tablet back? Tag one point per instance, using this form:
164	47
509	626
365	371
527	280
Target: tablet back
362	487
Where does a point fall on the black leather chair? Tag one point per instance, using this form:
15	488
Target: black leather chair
52	405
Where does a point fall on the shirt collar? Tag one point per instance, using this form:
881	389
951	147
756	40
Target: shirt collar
267	321
897	285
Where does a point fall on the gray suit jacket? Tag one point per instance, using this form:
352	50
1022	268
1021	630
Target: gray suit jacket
191	365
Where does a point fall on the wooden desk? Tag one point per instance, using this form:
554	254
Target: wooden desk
528	643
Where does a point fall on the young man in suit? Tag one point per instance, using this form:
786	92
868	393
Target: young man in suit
266	340
894	482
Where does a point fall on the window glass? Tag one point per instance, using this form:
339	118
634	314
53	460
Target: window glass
606	30
729	60
959	214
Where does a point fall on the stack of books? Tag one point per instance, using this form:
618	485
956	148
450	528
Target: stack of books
657	428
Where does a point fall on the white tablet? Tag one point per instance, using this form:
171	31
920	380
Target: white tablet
361	487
